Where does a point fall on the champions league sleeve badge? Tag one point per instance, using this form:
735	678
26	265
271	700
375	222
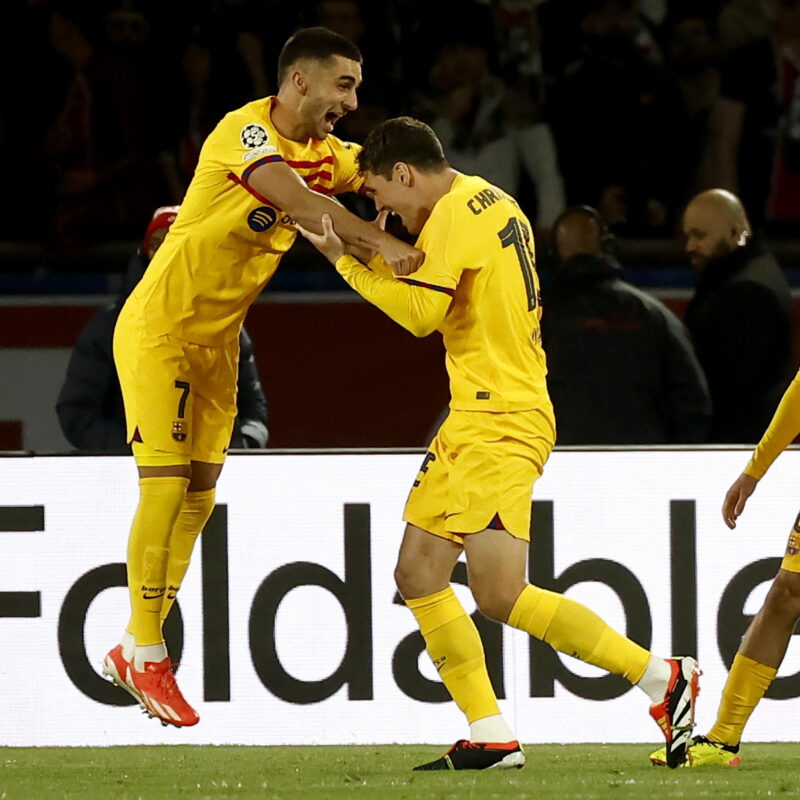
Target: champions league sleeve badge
253	135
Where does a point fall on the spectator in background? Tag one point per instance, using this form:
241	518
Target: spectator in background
191	119
621	366
693	55
755	150
740	317
97	144
743	21
89	406
518	37
490	130
234	31
221	65
133	38
369	26
615	114
31	92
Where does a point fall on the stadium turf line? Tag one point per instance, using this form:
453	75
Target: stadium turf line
565	772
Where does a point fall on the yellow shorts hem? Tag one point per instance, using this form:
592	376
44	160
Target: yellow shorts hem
474	522
148	457
445	531
791	563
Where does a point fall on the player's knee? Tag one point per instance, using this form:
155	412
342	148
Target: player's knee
784	594
414	580
494	602
404	579
203	476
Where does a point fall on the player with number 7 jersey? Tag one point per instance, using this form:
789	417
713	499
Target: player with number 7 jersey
265	166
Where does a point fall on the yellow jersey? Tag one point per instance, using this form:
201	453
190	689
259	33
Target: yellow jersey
479	251
227	240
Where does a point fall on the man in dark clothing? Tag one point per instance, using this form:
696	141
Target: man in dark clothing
90	408
756	143
621	367
740	317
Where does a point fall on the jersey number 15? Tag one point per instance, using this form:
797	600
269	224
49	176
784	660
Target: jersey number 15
516	233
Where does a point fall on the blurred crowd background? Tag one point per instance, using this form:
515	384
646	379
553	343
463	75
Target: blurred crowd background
630	106
626	108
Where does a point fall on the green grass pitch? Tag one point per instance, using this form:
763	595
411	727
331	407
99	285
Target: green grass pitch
563	772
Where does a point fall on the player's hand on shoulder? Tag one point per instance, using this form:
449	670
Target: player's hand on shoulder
328	242
736	498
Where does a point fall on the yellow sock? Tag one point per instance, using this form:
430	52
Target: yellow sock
160	502
747	682
455	647
195	511
573	629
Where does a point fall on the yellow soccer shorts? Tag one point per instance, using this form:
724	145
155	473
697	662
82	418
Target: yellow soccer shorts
480	465
180	398
791	558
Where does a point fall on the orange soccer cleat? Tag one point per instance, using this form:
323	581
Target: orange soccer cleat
160	694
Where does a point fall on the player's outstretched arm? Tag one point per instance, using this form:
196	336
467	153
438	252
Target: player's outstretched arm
281	185
782	431
736	497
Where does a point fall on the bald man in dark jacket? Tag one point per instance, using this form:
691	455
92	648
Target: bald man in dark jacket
740	317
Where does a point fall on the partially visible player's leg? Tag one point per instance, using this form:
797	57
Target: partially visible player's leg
426	561
754	666
760	655
451	638
213	395
162	491
195	511
497	559
167	387
141	664
161	495
159	550
454	645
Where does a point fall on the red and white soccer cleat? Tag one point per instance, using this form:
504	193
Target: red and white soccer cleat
675	713
160	694
116	667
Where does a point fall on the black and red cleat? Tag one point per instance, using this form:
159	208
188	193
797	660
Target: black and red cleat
479	755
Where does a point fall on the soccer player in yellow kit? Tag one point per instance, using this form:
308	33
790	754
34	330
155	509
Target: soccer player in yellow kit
766	639
266	166
479	287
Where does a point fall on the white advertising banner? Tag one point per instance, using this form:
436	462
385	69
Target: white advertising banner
290	631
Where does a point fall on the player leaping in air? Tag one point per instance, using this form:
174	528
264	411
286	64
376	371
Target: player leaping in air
265	166
479	287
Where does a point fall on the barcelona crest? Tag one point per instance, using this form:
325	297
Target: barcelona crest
179	430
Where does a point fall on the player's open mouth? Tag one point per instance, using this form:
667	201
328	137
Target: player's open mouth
331	118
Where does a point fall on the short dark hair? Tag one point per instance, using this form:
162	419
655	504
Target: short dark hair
317	43
401	139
